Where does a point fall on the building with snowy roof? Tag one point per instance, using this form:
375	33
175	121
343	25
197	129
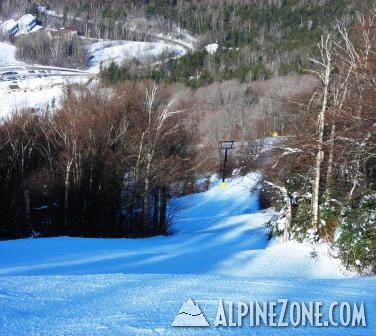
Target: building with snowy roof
10	27
26	23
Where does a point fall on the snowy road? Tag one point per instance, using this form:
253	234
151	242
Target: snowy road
73	286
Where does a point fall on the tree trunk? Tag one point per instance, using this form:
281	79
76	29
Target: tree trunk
286	231
27	207
316	189
320	152
358	172
163	211
156	209
355	180
330	163
66	193
145	217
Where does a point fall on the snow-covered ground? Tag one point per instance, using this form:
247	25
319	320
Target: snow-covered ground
8	54
32	91
37	93
102	53
76	286
212	48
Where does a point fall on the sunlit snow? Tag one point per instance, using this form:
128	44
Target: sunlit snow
219	249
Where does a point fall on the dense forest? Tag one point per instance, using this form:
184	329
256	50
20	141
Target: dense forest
103	165
325	169
257	39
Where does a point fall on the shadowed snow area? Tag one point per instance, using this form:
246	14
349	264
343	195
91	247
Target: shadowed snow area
219	249
219	231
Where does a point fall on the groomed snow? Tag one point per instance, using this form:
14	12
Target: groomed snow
219	231
76	286
102	53
146	304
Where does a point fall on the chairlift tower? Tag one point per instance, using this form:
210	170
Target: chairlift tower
225	145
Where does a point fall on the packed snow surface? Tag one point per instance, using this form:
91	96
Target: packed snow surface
219	231
219	249
102	53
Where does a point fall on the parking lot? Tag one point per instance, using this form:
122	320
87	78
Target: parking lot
11	76
18	75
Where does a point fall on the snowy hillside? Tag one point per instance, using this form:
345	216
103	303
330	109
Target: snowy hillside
76	286
102	53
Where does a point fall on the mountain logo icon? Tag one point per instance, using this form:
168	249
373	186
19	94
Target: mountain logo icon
190	315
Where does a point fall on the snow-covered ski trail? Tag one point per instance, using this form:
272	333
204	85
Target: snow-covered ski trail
219	249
